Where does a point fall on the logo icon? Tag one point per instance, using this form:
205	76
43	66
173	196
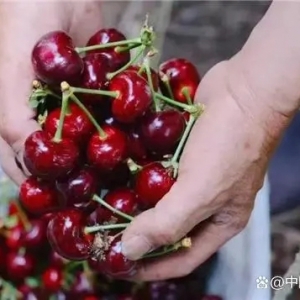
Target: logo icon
262	282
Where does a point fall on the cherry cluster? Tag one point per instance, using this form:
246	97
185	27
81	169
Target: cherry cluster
112	132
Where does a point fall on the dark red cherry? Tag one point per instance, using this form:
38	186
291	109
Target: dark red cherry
134	96
161	131
106	153
113	262
96	67
57	260
110	35
35	237
52	279
79	188
19	265
81	285
13	240
39	197
181	74
136	147
154	75
123	199
152	183
77	126
48	159
54	59
66	234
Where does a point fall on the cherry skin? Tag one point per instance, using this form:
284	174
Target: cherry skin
39	197
181	74
19	265
96	67
106	153
81	285
54	59
134	96
110	35
66	235
122	199
35	238
52	279
136	147
77	126
162	130
13	240
152	183
79	188
154	75
48	159
57	260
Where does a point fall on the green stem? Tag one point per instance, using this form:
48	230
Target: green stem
184	243
121	49
186	92
109	76
72	265
173	102
183	139
149	77
92	119
166	81
23	217
114	210
76	90
63	111
96	228
133	166
108	45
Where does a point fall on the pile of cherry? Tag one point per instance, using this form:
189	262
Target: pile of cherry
112	132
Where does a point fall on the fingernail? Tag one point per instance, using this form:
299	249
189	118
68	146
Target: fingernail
135	247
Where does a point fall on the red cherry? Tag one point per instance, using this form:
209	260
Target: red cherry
181	74
123	199
113	262
137	150
77	126
19	265
57	260
152	183
96	66
134	96
154	75
105	153
79	188
13	240
52	279
35	238
66	235
46	158
109	35
39	197
81	285
162	130
54	59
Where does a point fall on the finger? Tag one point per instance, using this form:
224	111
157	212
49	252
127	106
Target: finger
8	164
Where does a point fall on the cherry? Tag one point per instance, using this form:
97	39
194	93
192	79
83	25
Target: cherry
13	240
66	235
19	265
35	237
137	150
134	96
57	260
52	279
81	285
39	197
105	153
181	75
48	159
123	199
113	262
154	75
162	130
152	183
54	59
109	35
77	126
79	188
3	261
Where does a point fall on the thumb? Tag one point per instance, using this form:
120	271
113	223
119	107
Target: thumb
170	220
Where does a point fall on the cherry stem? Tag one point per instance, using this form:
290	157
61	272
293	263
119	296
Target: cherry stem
186	92
109	76
133	166
166	81
112	209
173	102
149	77
184	243
23	217
92	119
121	49
72	265
108	45
93	92
183	139
96	228
63	111
8	291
